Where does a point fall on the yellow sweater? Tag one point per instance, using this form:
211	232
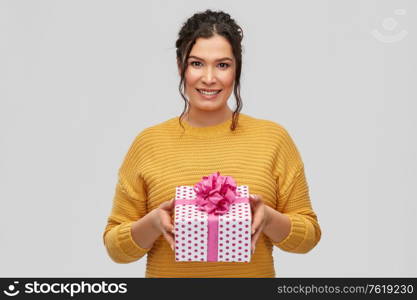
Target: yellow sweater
260	154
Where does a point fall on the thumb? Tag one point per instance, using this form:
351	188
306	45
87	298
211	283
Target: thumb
171	203
168	205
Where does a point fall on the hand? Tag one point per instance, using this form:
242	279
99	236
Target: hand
259	218
163	221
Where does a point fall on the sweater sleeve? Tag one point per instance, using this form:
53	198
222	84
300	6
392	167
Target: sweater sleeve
129	205
294	201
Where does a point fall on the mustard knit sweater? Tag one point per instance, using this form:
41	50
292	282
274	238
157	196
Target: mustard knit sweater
259	153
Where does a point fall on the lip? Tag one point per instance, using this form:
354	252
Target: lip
209	97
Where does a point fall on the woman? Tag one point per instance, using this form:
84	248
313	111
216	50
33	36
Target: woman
206	138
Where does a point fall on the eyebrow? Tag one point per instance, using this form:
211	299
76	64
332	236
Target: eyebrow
223	58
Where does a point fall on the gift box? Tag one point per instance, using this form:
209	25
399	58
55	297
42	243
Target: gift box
212	221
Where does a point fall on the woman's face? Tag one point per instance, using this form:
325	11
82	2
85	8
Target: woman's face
210	74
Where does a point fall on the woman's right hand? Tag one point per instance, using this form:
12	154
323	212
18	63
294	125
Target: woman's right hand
163	221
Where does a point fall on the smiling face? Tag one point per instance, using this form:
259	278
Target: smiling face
210	74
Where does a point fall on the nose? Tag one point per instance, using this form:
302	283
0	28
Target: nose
209	76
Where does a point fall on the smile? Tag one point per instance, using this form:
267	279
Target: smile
209	92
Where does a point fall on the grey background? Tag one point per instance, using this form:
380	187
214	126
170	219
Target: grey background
80	79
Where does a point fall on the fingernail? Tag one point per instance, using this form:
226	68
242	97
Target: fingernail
172	247
253	251
253	230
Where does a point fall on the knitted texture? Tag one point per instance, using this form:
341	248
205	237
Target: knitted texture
259	153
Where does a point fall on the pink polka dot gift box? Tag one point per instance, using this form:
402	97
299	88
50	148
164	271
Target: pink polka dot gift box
213	221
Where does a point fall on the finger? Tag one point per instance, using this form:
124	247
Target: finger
166	222
253	197
255	239
253	200
169	238
255	224
171	204
168	205
258	218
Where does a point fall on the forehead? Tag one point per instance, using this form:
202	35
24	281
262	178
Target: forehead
212	48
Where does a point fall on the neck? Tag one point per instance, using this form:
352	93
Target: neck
207	118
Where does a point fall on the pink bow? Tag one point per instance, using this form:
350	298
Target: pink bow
215	193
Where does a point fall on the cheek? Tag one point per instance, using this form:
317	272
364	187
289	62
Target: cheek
191	77
227	79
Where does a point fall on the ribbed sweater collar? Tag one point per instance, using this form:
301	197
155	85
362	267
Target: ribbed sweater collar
220	129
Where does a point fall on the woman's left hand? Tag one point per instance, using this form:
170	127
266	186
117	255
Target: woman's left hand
259	217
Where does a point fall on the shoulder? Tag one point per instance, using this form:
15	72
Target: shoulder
162	126
143	145
266	127
276	136
154	132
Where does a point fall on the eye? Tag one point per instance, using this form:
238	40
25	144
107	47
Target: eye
195	63
224	65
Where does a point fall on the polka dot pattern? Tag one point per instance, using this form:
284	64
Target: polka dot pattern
234	234
191	230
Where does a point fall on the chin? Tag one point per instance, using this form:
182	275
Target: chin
207	108
208	105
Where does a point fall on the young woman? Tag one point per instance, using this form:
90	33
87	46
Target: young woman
208	137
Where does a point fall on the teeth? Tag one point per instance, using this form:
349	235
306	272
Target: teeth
208	93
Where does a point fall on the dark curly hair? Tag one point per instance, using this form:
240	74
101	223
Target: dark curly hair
205	25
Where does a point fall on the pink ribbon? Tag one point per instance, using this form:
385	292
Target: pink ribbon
214	194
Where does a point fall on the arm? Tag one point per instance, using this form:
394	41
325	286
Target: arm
144	231
277	226
128	217
294	227
129	233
